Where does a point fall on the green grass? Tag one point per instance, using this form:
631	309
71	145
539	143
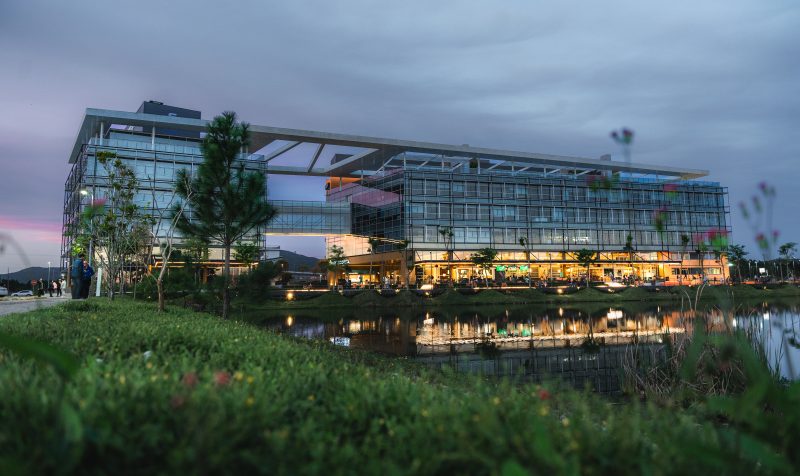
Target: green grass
301	407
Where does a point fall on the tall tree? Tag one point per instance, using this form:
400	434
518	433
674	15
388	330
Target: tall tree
586	258
336	261
685	241
786	252
112	220
447	237
737	254
484	259
225	200
409	263
523	242
374	242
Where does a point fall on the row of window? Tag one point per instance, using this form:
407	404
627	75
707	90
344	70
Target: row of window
541	214
538	192
485	235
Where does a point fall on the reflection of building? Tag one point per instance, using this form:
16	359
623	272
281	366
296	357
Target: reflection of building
432	333
446	202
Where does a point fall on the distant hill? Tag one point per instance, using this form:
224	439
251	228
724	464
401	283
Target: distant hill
296	260
35	272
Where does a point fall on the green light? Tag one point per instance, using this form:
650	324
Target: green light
523	267
500	268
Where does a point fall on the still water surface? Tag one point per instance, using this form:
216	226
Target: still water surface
582	344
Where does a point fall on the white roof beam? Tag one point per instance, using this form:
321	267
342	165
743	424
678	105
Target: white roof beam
276	153
316	156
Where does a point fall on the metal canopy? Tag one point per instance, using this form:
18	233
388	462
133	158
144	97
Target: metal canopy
376	153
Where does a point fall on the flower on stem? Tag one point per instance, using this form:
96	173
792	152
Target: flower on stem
189	380
625	137
544	394
222	378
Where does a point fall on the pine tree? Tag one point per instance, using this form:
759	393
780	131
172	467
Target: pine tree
225	201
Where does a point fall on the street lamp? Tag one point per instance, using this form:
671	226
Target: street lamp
85	192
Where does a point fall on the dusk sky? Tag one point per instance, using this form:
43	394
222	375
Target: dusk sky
712	85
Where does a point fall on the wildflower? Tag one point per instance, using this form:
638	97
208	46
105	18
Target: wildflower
149	365
743	207
189	380
250	401
122	380
565	421
311	398
544	394
238	376
496	400
250	379
222	378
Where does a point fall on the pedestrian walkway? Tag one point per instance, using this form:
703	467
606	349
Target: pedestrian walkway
15	305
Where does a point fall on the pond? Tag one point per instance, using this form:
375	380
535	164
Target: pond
584	345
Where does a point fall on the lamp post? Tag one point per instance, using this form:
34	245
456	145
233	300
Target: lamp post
85	192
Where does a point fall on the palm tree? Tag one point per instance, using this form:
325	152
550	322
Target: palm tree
336	261
484	259
786	252
226	201
586	258
403	248
685	240
736	253
629	249
523	242
447	236
374	242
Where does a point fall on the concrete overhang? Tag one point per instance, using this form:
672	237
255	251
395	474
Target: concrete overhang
378	150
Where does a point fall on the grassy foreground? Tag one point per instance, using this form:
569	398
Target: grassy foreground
187	392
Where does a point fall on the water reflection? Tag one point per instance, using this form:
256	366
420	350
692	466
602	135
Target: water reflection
531	340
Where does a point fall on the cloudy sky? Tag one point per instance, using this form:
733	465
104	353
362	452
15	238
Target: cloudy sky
711	85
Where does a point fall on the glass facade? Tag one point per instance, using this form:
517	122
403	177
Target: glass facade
638	225
156	161
417	212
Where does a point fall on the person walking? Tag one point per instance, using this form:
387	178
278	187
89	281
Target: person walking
51	286
86	279
75	274
57	285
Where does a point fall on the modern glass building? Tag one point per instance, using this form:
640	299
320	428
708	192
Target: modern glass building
427	208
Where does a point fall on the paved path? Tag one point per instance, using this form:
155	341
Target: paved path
12	305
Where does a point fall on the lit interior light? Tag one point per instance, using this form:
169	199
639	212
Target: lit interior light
614	314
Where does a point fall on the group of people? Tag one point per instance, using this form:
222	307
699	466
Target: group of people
81	274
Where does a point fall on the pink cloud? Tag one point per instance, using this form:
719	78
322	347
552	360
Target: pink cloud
31	230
